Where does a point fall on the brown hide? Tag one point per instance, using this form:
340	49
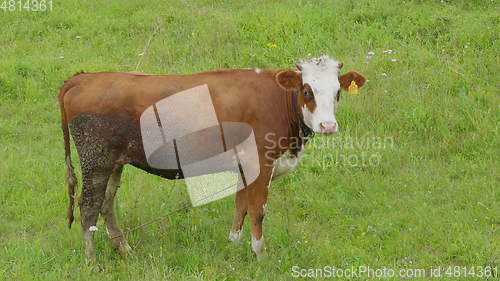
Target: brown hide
238	95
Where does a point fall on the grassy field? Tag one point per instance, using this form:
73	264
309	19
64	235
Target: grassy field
426	124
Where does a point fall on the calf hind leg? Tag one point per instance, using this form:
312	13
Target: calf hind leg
108	213
240	211
93	193
99	145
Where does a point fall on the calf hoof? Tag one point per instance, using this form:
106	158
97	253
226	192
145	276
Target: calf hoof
260	256
258	247
119	242
89	258
235	236
124	248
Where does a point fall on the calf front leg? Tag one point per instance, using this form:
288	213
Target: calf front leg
240	211
256	211
257	200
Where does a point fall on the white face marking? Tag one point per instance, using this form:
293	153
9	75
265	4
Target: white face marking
322	75
257	245
258	70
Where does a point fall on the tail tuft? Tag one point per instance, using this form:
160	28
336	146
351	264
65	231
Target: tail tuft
71	180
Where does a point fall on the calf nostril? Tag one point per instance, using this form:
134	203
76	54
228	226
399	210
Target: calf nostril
327	126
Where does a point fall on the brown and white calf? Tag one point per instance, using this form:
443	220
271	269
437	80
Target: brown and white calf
103	112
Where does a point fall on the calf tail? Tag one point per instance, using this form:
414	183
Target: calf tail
70	176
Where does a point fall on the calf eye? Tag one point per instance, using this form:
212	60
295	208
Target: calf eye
308	95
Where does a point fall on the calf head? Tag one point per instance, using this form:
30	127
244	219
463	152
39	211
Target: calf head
319	85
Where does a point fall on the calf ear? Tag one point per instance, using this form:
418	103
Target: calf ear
346	79
289	79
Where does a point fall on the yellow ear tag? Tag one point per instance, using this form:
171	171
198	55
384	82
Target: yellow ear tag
353	88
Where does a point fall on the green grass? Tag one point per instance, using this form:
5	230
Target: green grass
433	199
